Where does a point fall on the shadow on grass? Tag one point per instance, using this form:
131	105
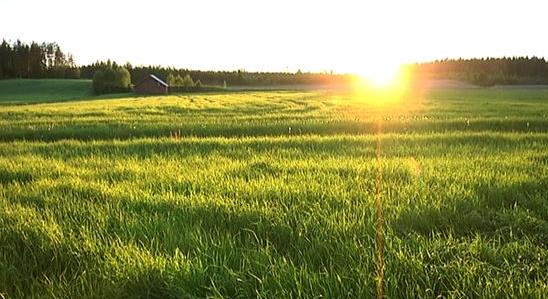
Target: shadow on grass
156	283
343	146
517	210
249	228
33	256
106	130
15	176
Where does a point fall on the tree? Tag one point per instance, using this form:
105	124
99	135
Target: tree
59	59
6	60
111	79
170	80
178	81
21	59
72	72
36	61
187	81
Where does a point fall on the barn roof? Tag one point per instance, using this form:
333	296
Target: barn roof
155	79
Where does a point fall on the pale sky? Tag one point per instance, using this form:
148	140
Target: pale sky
282	35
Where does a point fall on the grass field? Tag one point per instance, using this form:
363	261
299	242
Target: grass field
43	90
273	195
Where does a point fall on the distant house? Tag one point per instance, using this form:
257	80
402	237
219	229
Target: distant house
151	85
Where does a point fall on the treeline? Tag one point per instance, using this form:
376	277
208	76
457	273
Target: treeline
224	78
47	60
488	71
34	61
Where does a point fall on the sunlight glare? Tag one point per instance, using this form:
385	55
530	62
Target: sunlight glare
381	76
382	85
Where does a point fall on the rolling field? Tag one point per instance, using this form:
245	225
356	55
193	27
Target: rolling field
275	195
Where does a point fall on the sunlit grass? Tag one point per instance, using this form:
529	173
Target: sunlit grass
271	194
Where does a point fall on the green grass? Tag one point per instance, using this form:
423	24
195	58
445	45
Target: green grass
272	195
43	90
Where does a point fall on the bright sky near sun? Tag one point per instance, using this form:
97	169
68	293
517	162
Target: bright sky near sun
282	35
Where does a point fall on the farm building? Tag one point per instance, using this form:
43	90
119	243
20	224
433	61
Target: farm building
151	85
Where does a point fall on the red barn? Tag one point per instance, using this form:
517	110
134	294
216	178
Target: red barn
151	85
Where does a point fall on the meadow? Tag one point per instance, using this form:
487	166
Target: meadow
274	195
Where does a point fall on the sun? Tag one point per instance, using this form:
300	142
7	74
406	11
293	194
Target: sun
383	84
381	76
